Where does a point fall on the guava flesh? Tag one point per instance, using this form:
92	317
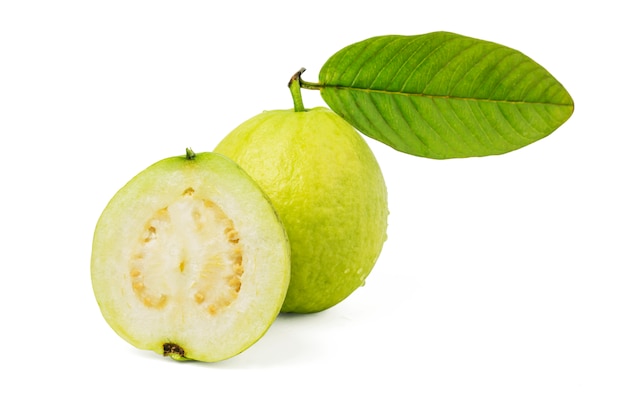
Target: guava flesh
329	192
190	260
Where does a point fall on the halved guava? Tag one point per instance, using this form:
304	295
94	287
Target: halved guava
190	260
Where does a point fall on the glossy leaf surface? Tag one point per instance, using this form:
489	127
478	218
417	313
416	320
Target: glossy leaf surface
443	95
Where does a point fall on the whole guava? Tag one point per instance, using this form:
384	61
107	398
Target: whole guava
328	189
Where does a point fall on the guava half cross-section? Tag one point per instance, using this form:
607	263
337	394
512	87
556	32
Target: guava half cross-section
190	260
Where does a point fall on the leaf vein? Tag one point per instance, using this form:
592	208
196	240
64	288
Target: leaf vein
444	65
442	96
417	66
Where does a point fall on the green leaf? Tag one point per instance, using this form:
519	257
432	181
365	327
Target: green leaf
442	95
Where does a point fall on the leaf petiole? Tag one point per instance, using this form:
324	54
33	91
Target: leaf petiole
310	86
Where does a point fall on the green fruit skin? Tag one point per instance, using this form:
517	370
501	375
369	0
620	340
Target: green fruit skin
328	190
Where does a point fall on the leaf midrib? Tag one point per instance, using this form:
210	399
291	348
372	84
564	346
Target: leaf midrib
442	97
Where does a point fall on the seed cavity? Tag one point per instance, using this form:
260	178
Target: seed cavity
156	302
150	234
188	250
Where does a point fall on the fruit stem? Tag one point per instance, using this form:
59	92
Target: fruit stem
296	94
189	154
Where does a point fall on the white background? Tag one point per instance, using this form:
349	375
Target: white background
500	291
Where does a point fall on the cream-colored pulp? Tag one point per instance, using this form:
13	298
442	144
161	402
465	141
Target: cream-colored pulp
188	253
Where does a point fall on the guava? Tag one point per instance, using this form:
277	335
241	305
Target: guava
328	189
190	259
